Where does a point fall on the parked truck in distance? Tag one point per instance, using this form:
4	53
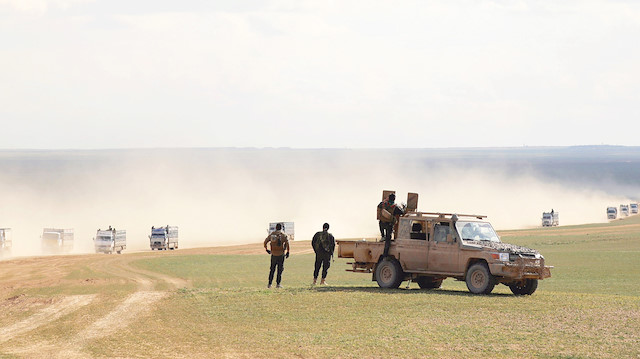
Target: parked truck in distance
287	227
110	240
57	240
164	238
5	241
612	213
550	219
634	208
430	247
624	209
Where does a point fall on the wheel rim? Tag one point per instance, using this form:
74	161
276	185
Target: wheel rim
478	279
386	274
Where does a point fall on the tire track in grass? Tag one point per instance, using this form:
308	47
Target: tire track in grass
46	315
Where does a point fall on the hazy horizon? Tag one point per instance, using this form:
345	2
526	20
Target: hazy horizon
228	196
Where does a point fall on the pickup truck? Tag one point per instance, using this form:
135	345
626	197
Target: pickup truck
430	247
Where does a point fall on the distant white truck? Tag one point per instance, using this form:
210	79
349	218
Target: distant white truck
164	238
110	240
612	213
57	240
550	219
5	241
624	209
287	227
634	208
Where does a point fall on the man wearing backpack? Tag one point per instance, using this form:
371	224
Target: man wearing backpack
323	244
278	243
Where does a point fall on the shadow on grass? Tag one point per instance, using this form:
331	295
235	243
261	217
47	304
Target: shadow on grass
410	291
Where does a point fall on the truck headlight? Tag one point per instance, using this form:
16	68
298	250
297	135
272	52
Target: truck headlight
503	257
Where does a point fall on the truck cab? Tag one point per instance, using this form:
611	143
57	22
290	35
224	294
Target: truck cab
624	209
550	219
612	213
5	241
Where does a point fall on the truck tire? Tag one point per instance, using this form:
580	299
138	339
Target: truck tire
389	273
428	283
524	288
479	279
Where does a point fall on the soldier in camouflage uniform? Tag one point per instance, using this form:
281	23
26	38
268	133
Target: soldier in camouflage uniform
387	214
323	244
279	243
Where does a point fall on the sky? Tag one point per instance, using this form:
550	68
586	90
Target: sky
83	74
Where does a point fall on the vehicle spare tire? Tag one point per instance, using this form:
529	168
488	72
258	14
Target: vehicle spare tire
479	279
429	282
389	273
526	287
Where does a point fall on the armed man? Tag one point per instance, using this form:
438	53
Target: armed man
323	244
388	213
279	243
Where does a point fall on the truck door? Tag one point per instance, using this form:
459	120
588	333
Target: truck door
443	250
413	250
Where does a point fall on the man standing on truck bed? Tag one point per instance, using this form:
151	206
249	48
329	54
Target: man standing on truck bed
323	244
279	243
387	212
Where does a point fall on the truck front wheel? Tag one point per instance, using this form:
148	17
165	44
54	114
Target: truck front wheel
526	287
479	279
389	273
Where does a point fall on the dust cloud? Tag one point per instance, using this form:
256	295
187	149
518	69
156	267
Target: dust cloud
228	196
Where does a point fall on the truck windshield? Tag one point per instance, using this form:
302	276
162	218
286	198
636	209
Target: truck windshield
50	236
476	231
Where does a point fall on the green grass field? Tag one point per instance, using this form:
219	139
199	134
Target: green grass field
589	308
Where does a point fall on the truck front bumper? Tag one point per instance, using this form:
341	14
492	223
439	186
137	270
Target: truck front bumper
522	268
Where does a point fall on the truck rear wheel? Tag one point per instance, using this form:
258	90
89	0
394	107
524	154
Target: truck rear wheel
526	287
479	279
428	282
389	273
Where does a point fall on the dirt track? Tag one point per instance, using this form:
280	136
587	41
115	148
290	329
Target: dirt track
39	272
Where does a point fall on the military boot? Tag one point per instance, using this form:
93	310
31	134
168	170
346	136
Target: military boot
322	282
315	280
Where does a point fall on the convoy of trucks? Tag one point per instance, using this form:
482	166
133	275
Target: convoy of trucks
625	210
57	240
430	247
164	238
110	240
550	219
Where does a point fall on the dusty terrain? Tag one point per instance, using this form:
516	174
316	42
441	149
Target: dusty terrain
43	272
